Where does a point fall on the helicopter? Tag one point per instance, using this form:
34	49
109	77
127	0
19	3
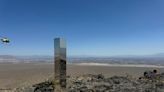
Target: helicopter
4	40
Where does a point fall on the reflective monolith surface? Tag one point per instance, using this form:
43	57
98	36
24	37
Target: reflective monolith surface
60	65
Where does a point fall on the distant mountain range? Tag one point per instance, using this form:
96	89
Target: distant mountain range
8	58
159	55
157	59
35	58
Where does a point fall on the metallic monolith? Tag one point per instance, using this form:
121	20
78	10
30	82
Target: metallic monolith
60	65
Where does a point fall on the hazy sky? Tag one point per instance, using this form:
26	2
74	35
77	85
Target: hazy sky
91	27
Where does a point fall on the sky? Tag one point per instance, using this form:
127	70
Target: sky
90	27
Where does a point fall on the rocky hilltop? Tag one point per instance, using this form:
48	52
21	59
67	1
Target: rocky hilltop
151	81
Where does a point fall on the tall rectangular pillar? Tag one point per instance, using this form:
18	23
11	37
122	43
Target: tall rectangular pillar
60	65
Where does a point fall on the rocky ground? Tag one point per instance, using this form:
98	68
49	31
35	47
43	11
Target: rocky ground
149	82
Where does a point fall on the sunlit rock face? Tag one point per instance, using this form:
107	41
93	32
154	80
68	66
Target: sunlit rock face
60	64
100	83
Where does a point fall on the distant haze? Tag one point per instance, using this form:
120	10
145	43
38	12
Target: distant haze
147	60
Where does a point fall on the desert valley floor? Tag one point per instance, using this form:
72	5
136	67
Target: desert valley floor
21	74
